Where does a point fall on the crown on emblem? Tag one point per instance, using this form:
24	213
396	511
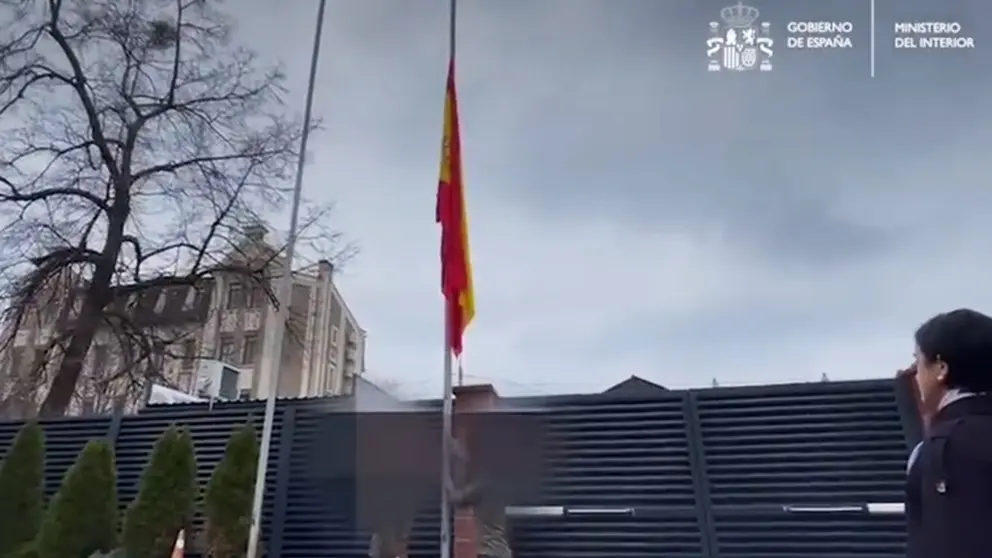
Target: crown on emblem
739	15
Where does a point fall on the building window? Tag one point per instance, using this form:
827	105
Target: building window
199	292
250	349
147	300
256	296
228	383
334	335
101	358
235	296
175	299
184	381
227	349
189	354
40	360
244	394
17	361
49	311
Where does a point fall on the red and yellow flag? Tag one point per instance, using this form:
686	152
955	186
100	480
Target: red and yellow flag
456	265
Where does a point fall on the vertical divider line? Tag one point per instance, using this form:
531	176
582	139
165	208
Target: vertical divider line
280	498
872	31
700	477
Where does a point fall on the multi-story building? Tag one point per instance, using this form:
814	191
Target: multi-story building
323	345
223	318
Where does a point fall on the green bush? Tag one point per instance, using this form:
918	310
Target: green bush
28	550
166	498
228	499
22	489
82	517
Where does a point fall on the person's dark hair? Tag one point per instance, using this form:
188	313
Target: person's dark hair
962	339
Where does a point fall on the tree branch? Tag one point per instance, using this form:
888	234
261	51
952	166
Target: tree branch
139	148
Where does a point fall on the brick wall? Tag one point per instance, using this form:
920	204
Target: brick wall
468	399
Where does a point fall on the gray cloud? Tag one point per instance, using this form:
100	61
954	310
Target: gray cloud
634	214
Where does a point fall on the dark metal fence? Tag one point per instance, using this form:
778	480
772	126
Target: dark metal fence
756	472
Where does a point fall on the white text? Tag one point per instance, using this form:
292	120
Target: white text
839	41
929	28
819	27
934	42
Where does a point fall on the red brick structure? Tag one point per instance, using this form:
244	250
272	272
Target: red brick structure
468	399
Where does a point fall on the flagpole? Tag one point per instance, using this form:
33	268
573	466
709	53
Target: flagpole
447	407
446	435
272	352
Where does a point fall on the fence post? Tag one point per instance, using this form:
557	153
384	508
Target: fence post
281	470
114	429
700	480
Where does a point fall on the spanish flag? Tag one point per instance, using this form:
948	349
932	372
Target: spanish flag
456	265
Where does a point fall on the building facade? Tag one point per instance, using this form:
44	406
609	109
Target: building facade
223	318
323	345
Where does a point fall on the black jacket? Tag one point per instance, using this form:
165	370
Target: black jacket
949	485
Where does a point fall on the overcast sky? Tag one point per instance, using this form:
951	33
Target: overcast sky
633	214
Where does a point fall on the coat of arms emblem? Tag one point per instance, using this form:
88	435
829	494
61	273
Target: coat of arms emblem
740	43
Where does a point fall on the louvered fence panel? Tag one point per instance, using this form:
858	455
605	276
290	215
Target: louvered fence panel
808	536
619	453
606	537
806	446
642	470
7	432
609	455
64	439
211	427
320	518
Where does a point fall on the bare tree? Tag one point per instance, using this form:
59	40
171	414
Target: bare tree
137	144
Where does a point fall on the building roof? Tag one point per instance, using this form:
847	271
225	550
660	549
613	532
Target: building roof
636	385
144	308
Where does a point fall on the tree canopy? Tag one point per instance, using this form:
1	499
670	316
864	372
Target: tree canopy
140	146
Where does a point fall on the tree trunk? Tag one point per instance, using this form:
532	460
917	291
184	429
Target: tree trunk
97	297
64	384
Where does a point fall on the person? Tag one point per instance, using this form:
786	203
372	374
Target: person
397	456
949	475
468	487
393	518
389	542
